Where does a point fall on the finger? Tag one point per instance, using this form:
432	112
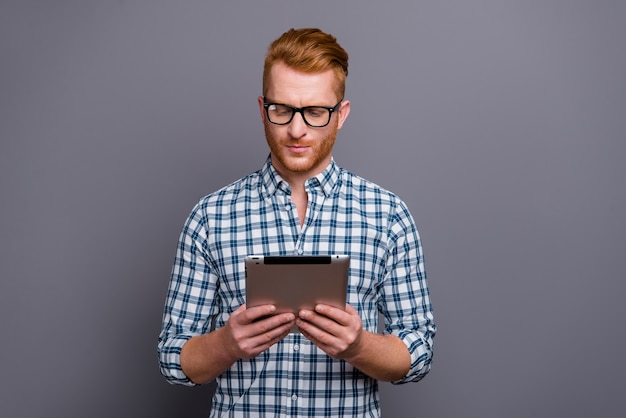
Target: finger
271	330
240	309
251	339
317	324
325	341
275	321
254	313
329	317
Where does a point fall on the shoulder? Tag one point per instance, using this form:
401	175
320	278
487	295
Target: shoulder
374	200
225	202
367	189
247	187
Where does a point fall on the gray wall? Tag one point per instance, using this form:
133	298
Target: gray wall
501	123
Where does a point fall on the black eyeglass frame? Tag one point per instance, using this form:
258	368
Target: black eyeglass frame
300	110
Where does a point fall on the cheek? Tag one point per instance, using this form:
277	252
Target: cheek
270	135
326	144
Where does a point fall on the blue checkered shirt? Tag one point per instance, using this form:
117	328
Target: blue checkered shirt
346	215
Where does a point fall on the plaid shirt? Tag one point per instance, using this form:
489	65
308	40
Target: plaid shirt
346	215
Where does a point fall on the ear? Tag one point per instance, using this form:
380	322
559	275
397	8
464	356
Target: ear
261	108
344	111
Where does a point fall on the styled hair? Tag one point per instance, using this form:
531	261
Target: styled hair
308	50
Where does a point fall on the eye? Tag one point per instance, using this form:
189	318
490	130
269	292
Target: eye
315	112
281	110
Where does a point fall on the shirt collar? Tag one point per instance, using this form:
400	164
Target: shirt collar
325	181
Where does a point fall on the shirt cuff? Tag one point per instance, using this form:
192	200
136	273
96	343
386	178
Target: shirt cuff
421	357
169	359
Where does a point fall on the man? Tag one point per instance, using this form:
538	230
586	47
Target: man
299	202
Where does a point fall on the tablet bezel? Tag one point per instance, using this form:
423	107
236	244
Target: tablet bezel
293	283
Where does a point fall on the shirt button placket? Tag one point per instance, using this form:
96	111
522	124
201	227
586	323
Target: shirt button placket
294	386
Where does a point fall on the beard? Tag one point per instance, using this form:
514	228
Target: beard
312	162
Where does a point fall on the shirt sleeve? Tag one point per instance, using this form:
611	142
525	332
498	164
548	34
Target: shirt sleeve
189	307
406	304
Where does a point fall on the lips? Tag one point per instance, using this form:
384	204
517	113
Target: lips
297	149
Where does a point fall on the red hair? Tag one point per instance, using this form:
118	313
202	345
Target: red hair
308	50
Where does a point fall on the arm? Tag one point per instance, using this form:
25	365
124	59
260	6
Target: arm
200	336
404	352
406	304
206	356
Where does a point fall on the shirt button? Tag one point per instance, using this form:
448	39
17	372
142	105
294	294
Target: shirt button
296	347
294	397
300	251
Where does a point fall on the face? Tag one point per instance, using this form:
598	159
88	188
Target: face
299	151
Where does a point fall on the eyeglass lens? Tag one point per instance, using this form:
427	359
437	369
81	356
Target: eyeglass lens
314	116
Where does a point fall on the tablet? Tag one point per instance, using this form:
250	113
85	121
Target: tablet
296	282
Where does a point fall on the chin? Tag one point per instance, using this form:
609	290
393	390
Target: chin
296	165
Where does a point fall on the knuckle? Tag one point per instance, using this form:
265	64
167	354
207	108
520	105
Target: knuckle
323	338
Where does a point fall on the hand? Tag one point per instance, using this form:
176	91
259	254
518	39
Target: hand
338	333
246	336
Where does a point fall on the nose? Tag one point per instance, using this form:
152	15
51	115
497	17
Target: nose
297	127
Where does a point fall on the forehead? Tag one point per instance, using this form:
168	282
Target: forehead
286	85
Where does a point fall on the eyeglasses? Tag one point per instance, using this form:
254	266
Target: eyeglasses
314	116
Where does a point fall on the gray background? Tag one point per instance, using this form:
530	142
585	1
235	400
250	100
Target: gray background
501	124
